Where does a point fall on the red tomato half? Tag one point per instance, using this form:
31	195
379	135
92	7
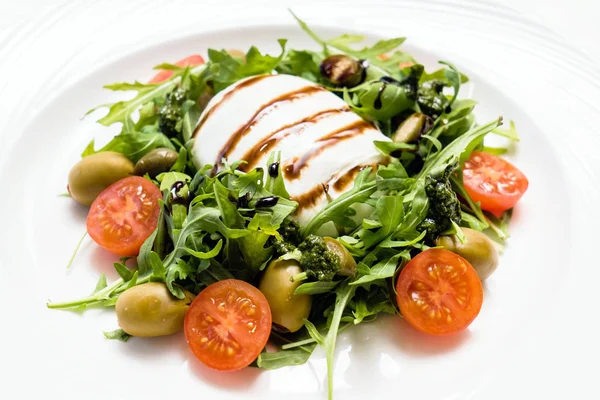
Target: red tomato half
494	182
124	215
190	61
439	292
228	324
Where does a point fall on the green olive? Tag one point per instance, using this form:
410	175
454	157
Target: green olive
287	309
478	250
348	266
205	98
342	70
94	173
155	162
412	128
150	310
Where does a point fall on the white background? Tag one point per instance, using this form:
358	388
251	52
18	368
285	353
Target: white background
575	20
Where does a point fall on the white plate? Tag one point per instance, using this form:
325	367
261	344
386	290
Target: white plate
536	330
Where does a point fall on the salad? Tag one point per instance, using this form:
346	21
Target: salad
256	198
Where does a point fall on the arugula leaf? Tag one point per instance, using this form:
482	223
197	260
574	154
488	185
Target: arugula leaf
280	211
276	185
510	133
343	293
371	224
368	305
433	141
181	162
205	255
393	177
459	149
457	122
390	213
380	101
473	222
317	287
248	183
342	43
125	273
179	243
372	53
158	267
252	246
117	334
440	75
389	243
143	258
179	270
419	205
122	110
257	63
224	70
388	147
382	270
453	76
497	151
456	230
101	284
202	218
302	63
179	212
132	281
314	333
214	273
132	145
336	211
167	179
229	213
284	358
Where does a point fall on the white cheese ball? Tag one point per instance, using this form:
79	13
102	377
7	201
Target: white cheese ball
323	144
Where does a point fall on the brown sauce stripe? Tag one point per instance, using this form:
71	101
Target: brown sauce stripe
343	181
293	171
240	133
248	82
253	155
311	197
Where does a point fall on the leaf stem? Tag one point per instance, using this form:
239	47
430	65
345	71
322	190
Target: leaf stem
76	250
302	276
98	298
308	31
344	294
300	344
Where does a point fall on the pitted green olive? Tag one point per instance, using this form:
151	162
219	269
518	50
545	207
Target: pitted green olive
478	250
150	310
348	266
94	173
155	162
412	128
287	309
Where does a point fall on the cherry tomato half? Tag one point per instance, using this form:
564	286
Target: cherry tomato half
494	182
190	61
438	292
228	325
124	215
